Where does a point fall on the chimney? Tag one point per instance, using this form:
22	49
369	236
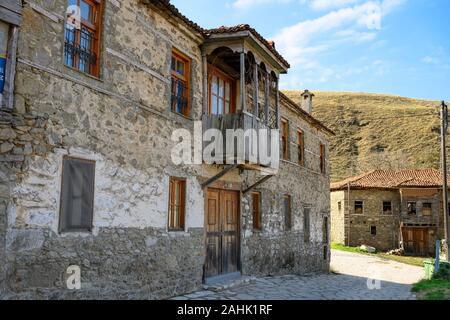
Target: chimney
307	101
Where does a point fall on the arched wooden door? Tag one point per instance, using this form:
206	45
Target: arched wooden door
222	232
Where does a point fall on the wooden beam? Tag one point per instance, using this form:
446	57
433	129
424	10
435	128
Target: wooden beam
255	88
257	184
267	96
243	98
205	82
277	103
219	175
11	62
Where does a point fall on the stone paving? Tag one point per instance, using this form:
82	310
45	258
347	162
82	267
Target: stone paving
351	280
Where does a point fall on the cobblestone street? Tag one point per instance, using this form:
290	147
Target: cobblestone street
351	283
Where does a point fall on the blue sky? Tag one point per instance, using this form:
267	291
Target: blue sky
398	47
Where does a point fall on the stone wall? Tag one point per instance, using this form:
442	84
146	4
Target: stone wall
123	122
339	222
387	226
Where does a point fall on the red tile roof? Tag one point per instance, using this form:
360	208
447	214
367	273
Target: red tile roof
390	179
245	27
207	32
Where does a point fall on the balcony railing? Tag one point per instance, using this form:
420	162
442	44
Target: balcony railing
254	144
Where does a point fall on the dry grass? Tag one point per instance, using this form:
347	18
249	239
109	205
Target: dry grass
375	131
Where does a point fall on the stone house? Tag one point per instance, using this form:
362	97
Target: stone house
389	210
95	91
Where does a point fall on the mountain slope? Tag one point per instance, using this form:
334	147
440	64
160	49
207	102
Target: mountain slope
375	131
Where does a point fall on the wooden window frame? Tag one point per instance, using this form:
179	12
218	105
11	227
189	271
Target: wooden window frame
415	207
285	139
61	229
301	147
288	213
171	213
431	209
214	71
7	98
383	211
175	76
362	209
96	29
256	210
322	158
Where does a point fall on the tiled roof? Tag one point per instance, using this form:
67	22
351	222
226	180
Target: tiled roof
391	179
245	27
206	33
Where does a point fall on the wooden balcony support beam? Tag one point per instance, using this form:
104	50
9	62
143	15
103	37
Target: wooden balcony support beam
257	184
255	89
219	175
243	95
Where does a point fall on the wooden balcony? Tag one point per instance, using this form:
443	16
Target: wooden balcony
243	151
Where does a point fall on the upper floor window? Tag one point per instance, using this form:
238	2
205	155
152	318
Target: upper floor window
82	35
285	139
180	70
177	196
412	208
359	207
322	158
77	195
301	147
221	92
427	209
387	207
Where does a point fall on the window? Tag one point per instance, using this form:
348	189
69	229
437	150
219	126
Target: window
9	33
287	212
322	158
177	196
301	147
77	195
373	230
221	92
180	71
285	139
387	207
412	208
359	207
256	210
427	209
325	230
82	36
306	224
325	253
340	206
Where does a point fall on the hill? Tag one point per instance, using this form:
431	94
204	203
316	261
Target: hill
376	131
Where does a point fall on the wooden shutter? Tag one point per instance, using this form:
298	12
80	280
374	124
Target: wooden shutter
77	195
177	196
256	202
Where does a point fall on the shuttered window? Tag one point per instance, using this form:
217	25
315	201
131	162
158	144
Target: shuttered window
77	195
177	196
306	224
322	159
301	147
287	212
285	139
256	210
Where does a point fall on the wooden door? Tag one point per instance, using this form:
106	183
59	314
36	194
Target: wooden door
416	241
222	232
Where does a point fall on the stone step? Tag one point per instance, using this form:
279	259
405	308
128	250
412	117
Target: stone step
225	283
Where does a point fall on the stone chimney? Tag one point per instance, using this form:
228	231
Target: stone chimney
307	101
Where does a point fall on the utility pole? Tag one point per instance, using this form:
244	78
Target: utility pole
444	127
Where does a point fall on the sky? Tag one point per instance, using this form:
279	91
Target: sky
399	47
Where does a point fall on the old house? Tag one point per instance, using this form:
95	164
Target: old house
389	210
87	175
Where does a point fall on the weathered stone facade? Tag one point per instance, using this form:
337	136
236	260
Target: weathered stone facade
123	122
394	230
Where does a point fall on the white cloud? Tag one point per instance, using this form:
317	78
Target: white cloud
305	43
248	4
330	4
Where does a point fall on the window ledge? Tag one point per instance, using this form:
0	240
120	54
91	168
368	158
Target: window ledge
83	73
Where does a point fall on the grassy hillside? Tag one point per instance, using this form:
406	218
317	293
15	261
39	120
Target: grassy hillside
375	131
